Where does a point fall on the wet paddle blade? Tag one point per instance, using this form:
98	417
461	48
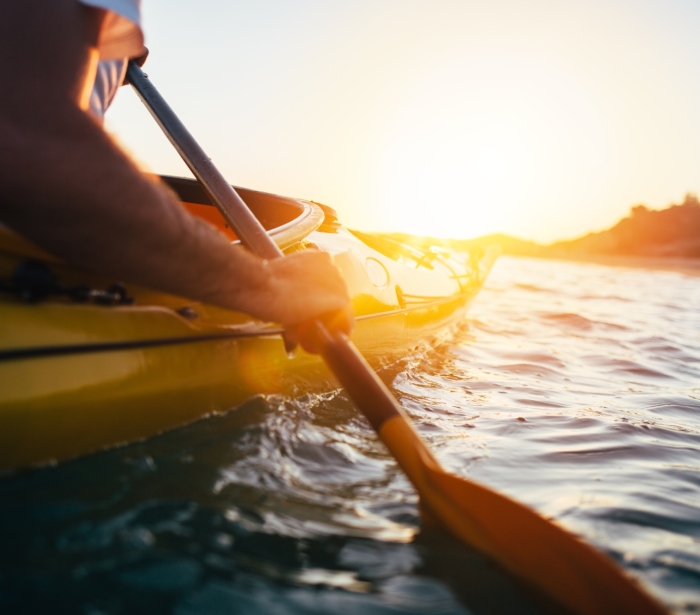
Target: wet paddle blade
550	559
535	550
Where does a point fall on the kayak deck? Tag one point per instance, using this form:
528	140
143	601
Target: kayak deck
81	372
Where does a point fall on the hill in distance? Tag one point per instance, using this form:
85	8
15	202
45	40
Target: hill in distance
673	232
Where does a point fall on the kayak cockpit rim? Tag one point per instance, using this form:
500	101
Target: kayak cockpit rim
287	221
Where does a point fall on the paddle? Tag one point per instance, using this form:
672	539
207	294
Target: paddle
540	553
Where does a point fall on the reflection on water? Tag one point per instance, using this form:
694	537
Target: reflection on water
573	388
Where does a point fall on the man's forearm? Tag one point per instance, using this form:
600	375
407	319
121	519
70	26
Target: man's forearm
68	188
71	191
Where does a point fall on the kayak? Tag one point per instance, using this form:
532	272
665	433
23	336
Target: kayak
87	362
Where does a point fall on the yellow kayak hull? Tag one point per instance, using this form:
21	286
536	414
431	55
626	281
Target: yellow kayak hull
78	377
61	406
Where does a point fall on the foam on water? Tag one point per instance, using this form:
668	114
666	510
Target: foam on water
573	388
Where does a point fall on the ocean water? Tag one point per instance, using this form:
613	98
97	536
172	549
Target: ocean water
574	388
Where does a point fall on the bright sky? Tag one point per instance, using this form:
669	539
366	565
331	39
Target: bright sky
539	118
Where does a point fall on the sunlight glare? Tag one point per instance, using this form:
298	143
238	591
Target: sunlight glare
477	166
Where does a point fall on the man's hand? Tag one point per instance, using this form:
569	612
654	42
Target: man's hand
301	288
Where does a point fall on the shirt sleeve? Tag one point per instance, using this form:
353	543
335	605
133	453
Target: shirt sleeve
121	38
110	75
121	35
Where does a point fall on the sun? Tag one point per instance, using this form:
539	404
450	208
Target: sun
451	190
492	165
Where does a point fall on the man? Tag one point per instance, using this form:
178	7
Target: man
65	185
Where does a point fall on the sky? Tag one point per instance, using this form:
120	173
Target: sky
541	119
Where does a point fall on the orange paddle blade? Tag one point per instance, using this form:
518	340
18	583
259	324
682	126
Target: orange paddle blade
535	550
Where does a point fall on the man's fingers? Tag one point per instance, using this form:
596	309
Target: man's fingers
311	289
306	333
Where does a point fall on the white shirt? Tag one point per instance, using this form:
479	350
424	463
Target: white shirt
121	35
121	38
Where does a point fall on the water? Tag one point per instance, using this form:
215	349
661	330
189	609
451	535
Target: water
573	388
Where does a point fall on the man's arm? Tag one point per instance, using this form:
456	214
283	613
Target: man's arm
68	188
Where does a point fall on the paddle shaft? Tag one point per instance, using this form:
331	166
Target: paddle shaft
549	558
362	384
236	213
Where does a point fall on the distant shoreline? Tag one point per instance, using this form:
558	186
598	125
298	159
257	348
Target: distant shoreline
663	240
688	266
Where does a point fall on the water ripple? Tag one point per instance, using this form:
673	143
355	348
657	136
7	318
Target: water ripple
573	388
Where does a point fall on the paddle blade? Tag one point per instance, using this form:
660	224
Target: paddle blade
535	550
542	554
